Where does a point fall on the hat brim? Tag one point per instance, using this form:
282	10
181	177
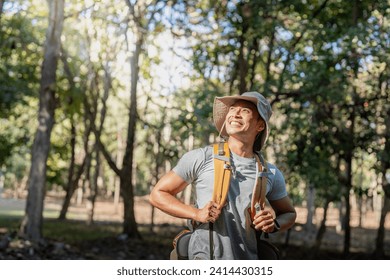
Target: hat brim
220	109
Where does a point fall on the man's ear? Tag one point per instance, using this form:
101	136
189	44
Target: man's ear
260	125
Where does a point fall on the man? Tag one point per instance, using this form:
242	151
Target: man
244	121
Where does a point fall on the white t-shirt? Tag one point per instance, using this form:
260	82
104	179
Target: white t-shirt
233	237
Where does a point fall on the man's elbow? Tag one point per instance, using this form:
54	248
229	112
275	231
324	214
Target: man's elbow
153	198
293	218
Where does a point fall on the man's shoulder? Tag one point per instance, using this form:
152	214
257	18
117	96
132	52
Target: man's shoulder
200	153
272	168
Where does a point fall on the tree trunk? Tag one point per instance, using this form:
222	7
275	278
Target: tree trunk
348	186
156	173
380	238
269	60
350	151
73	175
69	187
361	209
72	163
126	172
129	222
310	208
73	187
94	188
87	180
385	166
73	182
31	225
151	228
321	231
126	180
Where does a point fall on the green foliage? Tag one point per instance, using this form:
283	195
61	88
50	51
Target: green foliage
319	62
19	70
19	42
193	115
18	131
323	64
5	149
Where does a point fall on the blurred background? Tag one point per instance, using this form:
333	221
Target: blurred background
99	99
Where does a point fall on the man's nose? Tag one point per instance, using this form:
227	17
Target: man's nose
237	112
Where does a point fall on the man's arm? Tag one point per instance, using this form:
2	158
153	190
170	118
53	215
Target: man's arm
285	213
163	196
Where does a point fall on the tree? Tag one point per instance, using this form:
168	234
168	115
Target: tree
142	19
74	173
31	225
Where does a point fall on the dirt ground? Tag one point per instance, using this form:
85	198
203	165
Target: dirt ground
293	244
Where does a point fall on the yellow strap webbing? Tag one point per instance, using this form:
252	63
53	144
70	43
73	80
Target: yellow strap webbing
222	173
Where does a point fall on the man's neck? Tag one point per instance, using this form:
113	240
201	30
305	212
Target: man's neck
240	148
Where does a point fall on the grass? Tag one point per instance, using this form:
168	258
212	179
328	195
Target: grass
68	231
12	213
75	231
9	223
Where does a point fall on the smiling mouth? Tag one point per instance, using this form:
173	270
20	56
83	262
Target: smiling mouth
235	123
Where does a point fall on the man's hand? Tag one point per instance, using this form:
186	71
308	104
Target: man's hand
209	213
264	221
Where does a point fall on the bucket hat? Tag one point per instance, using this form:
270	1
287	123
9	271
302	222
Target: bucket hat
221	107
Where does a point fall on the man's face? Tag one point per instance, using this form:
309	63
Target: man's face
243	119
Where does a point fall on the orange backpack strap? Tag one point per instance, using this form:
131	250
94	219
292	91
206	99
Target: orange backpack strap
222	172
265	249
260	187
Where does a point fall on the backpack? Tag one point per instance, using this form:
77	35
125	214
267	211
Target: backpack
222	174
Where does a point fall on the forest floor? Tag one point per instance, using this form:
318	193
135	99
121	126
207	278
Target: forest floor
156	242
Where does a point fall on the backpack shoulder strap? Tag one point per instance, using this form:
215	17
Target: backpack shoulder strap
260	187
222	172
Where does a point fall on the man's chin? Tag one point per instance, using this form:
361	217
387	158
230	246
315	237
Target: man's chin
233	131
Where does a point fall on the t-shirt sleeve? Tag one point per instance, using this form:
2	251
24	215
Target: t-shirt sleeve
190	164
278	186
